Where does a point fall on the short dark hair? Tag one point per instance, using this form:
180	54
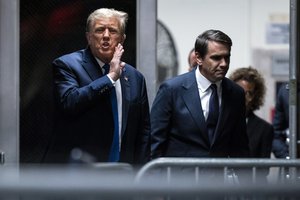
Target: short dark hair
202	40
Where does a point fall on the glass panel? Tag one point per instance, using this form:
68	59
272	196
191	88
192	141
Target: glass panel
49	29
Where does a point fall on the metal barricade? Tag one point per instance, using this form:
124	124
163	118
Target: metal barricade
163	172
119	181
286	166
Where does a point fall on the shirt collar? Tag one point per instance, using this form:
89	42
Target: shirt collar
100	62
202	82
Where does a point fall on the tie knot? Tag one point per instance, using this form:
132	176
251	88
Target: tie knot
106	68
213	86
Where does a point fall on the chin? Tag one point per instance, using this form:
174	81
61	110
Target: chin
219	78
105	55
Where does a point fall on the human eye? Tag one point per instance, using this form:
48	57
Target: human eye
249	93
216	57
220	57
113	30
99	30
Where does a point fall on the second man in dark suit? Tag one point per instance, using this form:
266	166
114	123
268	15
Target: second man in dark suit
180	110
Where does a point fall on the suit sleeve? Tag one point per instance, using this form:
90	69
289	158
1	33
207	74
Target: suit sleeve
160	121
71	96
280	124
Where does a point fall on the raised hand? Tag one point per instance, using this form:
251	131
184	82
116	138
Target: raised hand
116	65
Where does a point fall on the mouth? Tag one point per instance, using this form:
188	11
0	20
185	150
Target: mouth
220	74
105	45
221	71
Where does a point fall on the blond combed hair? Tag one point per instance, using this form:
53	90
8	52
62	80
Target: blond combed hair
106	13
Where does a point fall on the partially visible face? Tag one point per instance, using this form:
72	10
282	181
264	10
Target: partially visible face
249	89
192	60
215	64
103	37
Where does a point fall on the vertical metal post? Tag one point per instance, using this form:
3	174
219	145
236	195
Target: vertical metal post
169	175
146	44
9	80
254	174
293	84
225	174
197	174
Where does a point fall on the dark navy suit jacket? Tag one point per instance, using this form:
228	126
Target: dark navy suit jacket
260	134
85	118
178	126
281	123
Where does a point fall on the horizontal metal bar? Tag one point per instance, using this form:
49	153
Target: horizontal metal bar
217	162
119	182
78	182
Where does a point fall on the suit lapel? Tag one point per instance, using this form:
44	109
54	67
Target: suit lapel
125	85
90	65
191	98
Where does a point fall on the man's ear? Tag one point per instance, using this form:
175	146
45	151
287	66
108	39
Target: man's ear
198	58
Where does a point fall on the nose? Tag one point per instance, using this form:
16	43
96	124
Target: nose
224	62
106	32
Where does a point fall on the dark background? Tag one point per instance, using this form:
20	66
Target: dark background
49	29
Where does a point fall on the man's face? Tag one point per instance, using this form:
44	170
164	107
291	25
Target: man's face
103	37
192	59
215	64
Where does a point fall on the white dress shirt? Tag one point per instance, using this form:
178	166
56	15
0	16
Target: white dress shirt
205	91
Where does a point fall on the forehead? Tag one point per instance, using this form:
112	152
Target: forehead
246	85
214	47
106	21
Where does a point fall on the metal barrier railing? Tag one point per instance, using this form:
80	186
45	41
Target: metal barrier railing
78	183
119	182
286	166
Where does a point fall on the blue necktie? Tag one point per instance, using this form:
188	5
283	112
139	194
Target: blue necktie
115	148
213	114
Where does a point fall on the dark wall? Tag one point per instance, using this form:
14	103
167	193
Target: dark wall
49	29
